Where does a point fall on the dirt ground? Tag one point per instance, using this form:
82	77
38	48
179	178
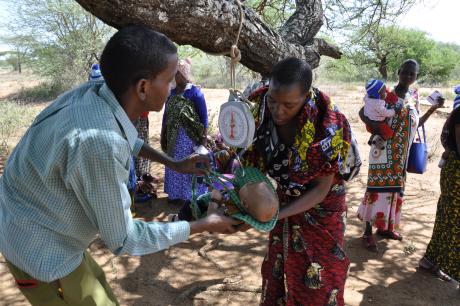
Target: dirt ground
179	276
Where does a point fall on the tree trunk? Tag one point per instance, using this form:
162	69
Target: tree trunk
212	26
19	66
383	69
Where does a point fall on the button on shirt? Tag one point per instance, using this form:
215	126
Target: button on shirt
66	181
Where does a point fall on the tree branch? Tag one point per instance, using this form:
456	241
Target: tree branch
211	25
305	23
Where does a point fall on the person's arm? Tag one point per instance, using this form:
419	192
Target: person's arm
202	111
373	125
431	111
99	181
385	112
191	164
320	188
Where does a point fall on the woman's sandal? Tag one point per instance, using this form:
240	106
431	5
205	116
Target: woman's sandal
427	265
390	235
369	243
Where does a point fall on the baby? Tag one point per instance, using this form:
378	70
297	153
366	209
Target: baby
258	200
375	108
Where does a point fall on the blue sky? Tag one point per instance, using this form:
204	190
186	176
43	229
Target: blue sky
439	18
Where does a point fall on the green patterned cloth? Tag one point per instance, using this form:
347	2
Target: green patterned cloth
243	176
181	113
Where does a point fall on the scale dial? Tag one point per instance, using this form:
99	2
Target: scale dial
234	125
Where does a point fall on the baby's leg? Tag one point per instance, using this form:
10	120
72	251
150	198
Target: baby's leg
372	126
385	131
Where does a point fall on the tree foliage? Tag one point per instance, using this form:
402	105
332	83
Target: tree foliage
345	16
61	40
386	47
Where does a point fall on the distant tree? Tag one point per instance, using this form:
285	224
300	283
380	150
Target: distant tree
63	39
386	47
20	50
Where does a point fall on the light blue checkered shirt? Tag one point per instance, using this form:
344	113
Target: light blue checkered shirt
66	181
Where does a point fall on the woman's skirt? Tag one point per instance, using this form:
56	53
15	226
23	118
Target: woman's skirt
382	210
444	247
306	264
179	186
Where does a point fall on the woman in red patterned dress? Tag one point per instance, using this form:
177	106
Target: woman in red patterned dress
301	142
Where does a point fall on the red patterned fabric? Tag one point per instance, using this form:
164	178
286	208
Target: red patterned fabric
305	264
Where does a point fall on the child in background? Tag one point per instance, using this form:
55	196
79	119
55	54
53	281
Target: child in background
95	73
379	106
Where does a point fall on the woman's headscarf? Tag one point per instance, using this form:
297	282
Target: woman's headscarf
185	68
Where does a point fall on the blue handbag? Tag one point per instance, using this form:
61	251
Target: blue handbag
418	154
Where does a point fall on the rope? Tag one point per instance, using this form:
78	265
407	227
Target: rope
235	53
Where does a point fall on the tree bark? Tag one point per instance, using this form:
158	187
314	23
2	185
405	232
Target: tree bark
19	66
212	26
383	69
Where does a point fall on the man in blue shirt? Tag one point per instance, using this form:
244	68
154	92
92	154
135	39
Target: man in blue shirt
66	180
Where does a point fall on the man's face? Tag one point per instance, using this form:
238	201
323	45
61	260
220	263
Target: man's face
158	88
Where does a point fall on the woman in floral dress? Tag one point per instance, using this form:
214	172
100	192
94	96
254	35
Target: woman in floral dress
383	200
301	140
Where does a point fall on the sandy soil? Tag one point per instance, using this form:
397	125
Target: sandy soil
179	276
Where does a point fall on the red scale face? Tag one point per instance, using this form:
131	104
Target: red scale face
233	126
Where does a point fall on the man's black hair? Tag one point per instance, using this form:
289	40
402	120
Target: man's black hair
292	71
133	53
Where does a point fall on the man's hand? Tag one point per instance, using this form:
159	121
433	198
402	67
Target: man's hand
193	164
214	223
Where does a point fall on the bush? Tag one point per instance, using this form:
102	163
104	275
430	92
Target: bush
344	70
43	92
13	119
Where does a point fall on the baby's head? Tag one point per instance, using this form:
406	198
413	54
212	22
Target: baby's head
260	201
376	89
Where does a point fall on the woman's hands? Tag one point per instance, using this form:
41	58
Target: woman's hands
440	103
320	188
433	108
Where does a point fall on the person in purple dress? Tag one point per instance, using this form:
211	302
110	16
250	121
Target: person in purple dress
184	128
